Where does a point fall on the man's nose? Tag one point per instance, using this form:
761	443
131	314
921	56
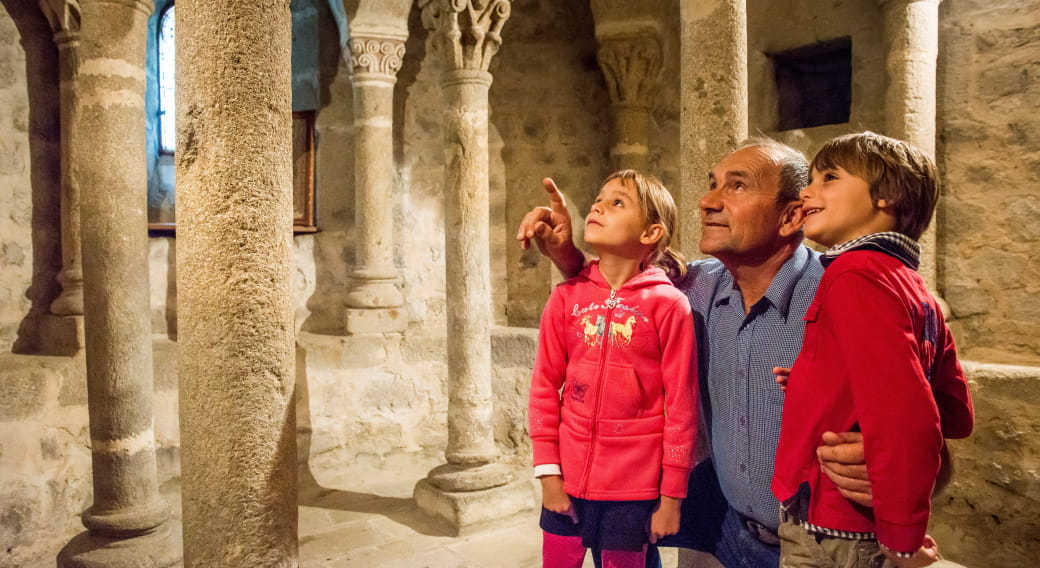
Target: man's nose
710	201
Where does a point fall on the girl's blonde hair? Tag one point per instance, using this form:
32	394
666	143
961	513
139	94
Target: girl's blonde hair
658	207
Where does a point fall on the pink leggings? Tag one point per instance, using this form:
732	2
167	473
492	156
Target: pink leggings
568	552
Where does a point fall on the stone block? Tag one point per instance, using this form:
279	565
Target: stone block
462	513
376	320
514	346
61	335
164	364
23	394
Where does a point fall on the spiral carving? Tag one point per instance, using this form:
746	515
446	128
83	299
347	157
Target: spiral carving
376	55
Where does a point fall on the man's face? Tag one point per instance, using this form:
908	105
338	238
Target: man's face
740	219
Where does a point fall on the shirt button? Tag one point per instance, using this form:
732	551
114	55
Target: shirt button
743	467
743	421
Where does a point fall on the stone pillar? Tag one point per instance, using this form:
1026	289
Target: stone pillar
630	57
911	51
234	258
128	523
62	331
714	115
373	305
472	489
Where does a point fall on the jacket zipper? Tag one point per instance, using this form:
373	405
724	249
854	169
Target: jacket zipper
612	304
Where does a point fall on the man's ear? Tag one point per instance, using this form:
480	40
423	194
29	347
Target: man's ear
791	218
652	234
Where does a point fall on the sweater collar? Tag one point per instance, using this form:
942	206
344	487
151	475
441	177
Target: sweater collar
648	277
898	245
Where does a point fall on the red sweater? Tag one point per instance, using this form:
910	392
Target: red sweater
623	426
877	355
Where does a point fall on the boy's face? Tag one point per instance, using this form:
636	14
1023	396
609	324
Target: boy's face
615	222
837	207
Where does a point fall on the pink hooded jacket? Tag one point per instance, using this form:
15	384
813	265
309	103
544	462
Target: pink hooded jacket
623	426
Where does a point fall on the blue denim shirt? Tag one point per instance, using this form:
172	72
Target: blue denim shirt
741	402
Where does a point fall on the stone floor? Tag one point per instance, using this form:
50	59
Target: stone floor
363	515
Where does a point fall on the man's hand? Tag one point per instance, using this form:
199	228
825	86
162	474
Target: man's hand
843	461
665	520
555	499
927	554
550	227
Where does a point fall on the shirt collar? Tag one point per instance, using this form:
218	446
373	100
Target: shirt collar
781	288
898	245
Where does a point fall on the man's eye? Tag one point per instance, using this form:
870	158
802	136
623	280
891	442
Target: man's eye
829	177
618	203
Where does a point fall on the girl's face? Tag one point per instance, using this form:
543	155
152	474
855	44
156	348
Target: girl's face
616	222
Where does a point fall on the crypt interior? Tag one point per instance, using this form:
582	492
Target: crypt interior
293	251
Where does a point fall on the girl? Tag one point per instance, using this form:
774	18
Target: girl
613	393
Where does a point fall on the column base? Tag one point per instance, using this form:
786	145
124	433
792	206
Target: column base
375	320
61	335
461	513
160	548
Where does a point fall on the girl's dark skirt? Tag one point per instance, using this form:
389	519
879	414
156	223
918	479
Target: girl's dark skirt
604	525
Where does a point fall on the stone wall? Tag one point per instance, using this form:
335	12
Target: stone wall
989	149
30	242
776	27
987	516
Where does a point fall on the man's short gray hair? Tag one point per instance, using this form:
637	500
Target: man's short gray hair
794	168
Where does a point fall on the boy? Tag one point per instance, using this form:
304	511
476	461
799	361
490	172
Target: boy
877	357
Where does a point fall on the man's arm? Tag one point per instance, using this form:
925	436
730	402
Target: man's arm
550	227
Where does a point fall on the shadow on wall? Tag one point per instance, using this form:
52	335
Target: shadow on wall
44	136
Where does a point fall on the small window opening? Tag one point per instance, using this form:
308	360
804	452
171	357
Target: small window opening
167	84
814	84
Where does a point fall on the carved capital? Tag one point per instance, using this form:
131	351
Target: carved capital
62	15
376	55
631	66
467	33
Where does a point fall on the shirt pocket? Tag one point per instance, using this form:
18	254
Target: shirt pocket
810	337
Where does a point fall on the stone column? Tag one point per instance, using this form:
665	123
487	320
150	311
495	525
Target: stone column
472	488
62	332
234	258
911	51
372	306
128	523
630	57
714	115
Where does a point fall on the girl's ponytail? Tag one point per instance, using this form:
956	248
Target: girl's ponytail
673	263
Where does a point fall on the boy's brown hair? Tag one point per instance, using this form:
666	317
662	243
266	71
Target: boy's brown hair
904	176
657	207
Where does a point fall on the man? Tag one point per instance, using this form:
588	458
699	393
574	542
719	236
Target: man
748	303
